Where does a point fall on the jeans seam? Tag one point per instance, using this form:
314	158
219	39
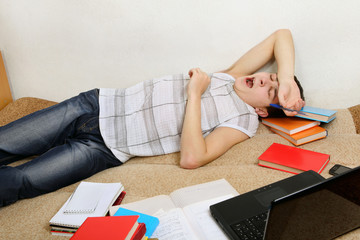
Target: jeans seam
85	123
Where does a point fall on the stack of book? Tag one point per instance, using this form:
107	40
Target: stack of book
88	200
149	221
298	131
302	128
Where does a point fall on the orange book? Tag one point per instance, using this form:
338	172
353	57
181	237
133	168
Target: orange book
120	227
290	125
309	135
292	159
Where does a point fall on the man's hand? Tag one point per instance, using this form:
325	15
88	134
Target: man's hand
199	82
196	150
289	97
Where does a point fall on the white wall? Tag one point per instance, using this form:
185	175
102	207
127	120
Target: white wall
55	49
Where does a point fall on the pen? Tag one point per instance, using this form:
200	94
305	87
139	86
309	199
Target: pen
287	109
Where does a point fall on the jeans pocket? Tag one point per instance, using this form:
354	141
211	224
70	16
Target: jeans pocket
88	125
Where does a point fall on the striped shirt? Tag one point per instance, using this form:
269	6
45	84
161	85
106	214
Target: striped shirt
147	118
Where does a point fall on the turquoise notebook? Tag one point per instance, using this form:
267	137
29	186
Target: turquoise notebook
151	222
319	114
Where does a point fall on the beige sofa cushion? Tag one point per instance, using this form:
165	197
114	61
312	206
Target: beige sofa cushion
22	107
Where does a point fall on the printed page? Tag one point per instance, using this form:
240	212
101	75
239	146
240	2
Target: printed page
200	219
200	192
148	206
173	226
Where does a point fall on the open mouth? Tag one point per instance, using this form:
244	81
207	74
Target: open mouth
250	82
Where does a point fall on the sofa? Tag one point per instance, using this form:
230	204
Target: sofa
145	177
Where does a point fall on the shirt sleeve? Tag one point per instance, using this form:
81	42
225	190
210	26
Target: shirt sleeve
247	123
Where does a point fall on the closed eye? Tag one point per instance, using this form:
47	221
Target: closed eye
272	94
275	89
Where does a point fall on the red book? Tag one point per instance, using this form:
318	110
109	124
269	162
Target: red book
119	199
293	160
119	227
140	232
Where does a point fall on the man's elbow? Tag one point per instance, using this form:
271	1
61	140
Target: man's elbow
283	31
188	161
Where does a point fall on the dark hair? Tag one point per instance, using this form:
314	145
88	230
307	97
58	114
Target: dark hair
275	112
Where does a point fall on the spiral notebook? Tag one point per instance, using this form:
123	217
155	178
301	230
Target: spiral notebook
88	200
85	199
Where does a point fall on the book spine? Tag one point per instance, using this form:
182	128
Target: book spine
119	199
140	232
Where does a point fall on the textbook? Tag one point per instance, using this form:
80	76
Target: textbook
140	232
318	114
109	228
185	211
76	209
292	159
306	136
151	222
289	125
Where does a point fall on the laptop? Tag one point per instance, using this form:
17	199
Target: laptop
304	206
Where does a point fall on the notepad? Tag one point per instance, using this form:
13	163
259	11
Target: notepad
107	195
85	199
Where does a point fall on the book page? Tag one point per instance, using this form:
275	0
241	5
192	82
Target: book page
200	192
148	206
199	217
173	226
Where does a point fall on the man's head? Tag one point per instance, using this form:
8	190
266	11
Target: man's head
260	90
275	112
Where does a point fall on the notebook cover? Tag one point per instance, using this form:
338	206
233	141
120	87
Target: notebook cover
295	138
121	227
290	125
151	222
293	159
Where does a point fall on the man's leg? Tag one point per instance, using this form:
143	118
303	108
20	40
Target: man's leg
38	132
59	167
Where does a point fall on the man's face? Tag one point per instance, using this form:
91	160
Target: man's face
258	90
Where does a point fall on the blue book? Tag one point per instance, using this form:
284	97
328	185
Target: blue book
151	222
318	114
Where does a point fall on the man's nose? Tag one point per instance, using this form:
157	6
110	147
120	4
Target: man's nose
263	82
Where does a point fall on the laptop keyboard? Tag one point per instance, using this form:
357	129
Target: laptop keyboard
251	228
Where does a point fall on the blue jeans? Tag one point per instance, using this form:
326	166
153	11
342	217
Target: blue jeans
66	141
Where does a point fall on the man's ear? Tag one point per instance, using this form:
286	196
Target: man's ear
262	112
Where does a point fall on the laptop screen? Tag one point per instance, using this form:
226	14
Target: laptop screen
324	211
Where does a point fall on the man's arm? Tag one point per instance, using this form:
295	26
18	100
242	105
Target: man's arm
280	46
195	150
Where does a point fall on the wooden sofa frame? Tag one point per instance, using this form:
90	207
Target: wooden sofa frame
5	93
